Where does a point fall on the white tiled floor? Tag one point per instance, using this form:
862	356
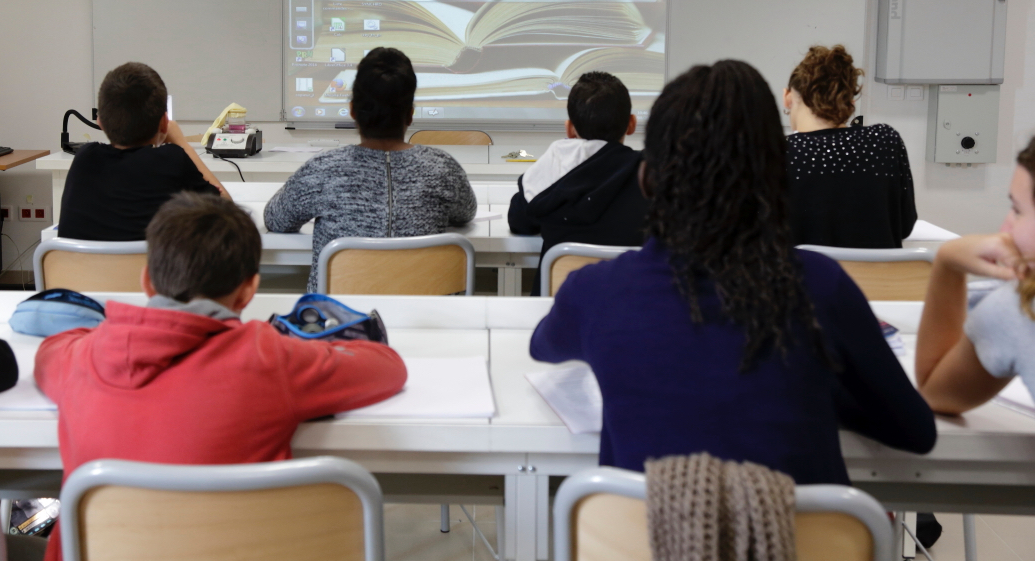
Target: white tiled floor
999	538
412	534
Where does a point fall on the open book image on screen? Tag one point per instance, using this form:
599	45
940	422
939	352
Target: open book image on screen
642	73
475	59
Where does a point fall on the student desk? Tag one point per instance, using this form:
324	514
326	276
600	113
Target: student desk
984	461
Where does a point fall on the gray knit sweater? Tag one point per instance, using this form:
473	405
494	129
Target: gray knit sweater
347	191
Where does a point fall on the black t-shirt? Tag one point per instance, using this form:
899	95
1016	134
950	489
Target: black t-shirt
850	187
112	194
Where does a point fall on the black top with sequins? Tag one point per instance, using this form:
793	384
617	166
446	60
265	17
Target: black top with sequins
850	187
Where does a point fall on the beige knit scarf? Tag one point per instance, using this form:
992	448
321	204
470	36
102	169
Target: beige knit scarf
700	508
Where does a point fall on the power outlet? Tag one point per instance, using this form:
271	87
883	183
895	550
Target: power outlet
33	213
5	212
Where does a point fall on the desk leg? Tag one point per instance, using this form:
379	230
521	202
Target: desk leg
526	497
509	283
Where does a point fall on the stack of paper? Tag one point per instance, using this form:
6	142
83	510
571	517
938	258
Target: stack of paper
439	388
574	395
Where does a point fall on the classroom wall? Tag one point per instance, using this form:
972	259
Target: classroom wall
48	69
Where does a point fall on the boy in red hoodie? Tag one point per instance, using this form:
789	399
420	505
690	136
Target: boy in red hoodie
184	380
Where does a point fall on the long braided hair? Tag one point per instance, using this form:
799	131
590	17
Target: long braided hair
715	169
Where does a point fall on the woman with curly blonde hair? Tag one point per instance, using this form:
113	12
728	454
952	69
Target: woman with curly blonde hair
964	360
849	186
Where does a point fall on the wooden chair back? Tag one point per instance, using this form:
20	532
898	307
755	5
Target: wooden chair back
428	271
437	264
614	528
884	274
564	265
90	266
318	509
890	280
313	522
560	260
451	138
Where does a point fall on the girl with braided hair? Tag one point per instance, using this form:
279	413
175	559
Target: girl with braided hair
849	186
718	336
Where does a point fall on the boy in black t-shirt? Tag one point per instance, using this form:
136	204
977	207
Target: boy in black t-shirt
113	190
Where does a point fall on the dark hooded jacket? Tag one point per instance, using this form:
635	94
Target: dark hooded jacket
598	202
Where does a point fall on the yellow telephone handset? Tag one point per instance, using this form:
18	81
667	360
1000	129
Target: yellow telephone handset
217	125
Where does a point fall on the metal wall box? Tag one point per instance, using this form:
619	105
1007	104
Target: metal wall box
963	124
941	41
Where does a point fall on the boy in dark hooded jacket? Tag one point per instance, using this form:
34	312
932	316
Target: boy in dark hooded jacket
584	188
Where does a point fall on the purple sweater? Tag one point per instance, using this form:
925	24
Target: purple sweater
671	386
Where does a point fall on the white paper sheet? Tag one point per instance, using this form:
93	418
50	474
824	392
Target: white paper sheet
484	215
295	149
1016	396
574	395
924	231
438	388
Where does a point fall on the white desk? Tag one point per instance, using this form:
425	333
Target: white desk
278	166
984	461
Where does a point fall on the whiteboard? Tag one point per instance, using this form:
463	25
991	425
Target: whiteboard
210	53
771	36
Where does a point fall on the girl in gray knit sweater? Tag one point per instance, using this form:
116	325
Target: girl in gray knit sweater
382	187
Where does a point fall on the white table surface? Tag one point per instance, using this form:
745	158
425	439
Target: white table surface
984	460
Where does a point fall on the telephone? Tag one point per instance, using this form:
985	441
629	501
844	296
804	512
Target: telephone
230	136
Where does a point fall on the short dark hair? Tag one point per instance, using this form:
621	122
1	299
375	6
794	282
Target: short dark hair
201	246
599	107
382	93
130	104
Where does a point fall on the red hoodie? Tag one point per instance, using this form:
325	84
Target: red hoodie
167	386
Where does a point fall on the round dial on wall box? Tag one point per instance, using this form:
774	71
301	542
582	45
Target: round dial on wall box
967	143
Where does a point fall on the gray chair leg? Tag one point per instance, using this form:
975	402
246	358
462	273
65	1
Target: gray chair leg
444	524
969	538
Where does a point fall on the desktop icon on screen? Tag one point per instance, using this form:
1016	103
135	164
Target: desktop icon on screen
301	9
302	40
343	112
319	112
302	23
303	84
298	111
337	24
371	25
337	55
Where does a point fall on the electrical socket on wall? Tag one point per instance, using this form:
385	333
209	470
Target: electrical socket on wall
32	213
5	212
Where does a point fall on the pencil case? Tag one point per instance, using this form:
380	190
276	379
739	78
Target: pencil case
52	311
317	317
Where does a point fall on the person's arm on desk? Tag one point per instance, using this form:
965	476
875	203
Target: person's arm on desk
327	378
948	372
174	135
297	201
464	205
517	215
873	395
558	337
